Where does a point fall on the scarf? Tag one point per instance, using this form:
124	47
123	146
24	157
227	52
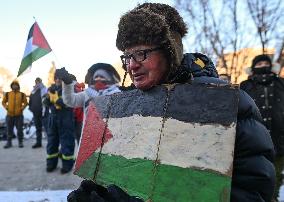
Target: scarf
40	87
92	93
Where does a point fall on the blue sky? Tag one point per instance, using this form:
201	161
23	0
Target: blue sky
80	33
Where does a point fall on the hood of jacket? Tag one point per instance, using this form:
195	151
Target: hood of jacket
193	65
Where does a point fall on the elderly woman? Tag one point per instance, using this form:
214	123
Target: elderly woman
150	37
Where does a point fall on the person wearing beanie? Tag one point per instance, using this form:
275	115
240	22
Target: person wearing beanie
150	37
102	79
14	102
267	90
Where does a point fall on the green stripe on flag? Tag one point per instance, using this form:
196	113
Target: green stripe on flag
30	58
171	183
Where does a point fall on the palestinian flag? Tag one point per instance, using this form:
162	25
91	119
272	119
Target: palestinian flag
36	47
165	144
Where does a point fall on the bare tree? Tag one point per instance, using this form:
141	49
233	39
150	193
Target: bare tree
267	15
216	28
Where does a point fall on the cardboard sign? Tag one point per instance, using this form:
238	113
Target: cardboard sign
171	143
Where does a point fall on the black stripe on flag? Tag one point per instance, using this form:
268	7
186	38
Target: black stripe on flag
195	103
31	32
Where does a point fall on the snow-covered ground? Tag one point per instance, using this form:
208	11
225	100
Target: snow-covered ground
34	196
54	196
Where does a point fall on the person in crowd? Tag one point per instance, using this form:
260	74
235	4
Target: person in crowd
36	107
60	131
14	102
150	37
102	79
267	89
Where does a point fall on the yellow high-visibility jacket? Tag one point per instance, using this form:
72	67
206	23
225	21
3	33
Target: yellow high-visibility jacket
14	102
53	97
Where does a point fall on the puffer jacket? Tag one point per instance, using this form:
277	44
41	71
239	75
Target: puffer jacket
14	102
253	171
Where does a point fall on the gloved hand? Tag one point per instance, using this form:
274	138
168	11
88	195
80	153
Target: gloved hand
91	192
63	75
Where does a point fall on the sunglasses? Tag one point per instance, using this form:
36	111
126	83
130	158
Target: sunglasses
138	56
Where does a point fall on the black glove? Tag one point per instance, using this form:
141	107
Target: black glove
63	75
91	192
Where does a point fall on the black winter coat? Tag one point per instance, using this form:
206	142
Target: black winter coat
35	103
253	171
267	90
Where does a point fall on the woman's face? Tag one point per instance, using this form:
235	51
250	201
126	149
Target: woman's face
147	66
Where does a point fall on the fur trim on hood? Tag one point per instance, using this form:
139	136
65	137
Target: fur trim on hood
194	65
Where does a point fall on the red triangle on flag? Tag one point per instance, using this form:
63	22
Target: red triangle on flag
92	135
39	39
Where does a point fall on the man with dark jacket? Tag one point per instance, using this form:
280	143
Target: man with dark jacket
15	102
60	133
267	90
150	37
35	106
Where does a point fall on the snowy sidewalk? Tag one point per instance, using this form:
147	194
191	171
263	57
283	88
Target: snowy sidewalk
34	196
23	177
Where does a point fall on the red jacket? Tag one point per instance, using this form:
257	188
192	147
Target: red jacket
78	111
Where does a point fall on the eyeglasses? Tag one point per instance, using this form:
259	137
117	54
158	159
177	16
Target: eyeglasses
138	56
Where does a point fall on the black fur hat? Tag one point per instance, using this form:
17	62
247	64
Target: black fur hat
153	24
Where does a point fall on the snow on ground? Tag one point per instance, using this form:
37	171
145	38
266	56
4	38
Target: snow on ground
34	196
55	196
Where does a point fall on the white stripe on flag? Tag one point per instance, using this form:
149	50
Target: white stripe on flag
204	146
29	47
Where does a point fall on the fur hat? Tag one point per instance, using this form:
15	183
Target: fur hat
153	24
103	66
261	58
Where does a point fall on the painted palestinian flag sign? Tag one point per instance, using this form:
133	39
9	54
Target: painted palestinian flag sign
36	47
165	144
